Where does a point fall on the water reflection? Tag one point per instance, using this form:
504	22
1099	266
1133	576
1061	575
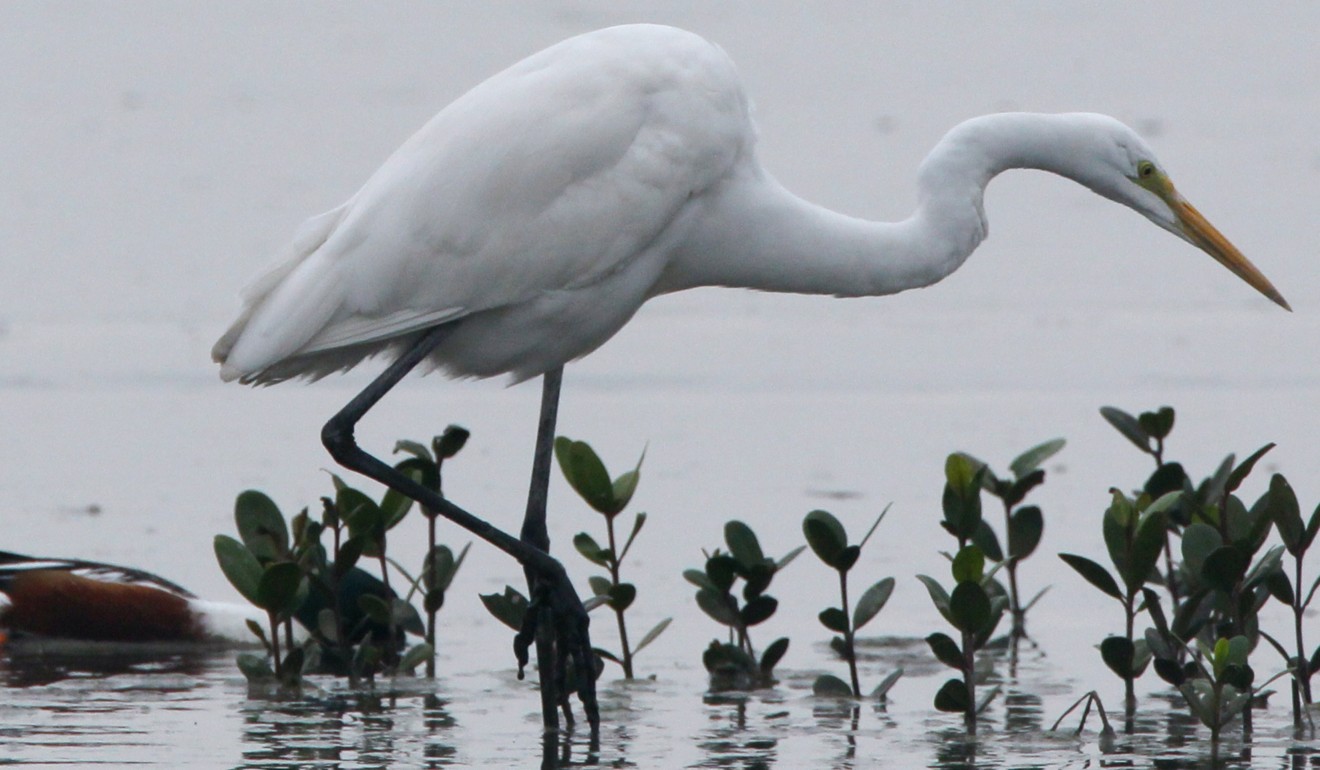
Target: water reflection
31	663
357	728
729	741
173	708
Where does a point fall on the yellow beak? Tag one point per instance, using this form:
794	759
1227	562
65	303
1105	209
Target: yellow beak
1211	241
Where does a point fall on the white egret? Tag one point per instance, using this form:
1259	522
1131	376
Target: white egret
528	220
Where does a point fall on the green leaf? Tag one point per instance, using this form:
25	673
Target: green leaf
758	610
1024	531
830	686
849	557
826	537
886	684
364	518
1157	423
970	606
442	566
743	545
1031	459
872	601
788	557
1129	426
1244	468
986	539
509	608
257	631
1286	513
1224	567
697	578
1118	654
586	474
1169	477
1312	527
349	552
946	650
968	565
255	668
1170	671
277	589
624	486
721	571
1199	540
1020	488
588	547
622	596
952	697
375	607
261	526
938	596
1146	548
1238	676
415	656
834	619
1095	574
962	496
638	521
773	653
451	442
239	565
418	451
875	524
652	634
600	586
719	606
1119	517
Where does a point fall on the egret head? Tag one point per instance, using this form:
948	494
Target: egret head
1129	173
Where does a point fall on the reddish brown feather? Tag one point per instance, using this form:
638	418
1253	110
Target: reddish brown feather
60	604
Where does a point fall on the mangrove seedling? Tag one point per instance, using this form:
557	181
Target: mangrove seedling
355	622
1297	537
1134	535
426	466
976	604
587	475
828	540
734	664
1023	524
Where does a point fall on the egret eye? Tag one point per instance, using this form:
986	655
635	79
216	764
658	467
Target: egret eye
1145	169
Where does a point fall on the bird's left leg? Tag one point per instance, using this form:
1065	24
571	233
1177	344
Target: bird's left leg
572	621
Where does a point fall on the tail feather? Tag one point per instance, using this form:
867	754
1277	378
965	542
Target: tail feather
262	347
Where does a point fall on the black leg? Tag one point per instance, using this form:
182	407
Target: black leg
571	619
535	534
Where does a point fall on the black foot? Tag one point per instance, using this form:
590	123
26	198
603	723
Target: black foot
572	644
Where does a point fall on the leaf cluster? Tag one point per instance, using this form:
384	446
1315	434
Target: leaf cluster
735	663
827	538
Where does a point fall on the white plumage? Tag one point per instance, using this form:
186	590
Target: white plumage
547	204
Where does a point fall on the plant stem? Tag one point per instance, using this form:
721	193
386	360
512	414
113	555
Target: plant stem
849	648
1303	665
429	584
1014	603
1129	681
969	679
618	613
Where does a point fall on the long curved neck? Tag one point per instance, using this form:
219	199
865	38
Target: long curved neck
755	234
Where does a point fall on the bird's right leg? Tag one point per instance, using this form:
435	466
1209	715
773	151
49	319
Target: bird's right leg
337	436
534	532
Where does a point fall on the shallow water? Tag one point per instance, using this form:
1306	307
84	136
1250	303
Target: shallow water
173	708
157	155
